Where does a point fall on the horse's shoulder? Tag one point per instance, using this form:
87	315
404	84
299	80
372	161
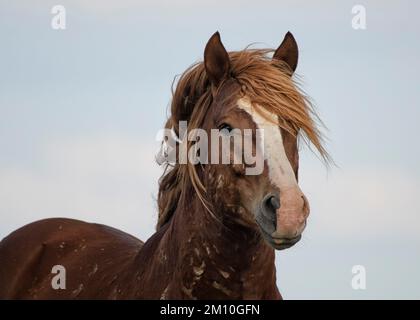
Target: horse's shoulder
54	231
31	251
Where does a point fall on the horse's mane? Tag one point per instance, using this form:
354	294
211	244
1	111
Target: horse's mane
266	82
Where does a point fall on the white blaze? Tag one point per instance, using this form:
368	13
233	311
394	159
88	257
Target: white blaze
279	168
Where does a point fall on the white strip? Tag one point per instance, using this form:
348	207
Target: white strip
279	168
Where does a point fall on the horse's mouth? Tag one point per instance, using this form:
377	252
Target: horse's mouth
283	243
278	243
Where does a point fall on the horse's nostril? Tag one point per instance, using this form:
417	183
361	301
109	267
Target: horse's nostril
269	206
275	202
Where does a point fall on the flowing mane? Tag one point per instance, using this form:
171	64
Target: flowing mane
266	82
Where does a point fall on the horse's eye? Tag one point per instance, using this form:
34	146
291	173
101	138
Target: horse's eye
225	126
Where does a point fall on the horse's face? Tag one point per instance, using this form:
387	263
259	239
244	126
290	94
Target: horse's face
271	201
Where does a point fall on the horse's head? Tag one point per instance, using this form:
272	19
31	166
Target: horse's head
247	91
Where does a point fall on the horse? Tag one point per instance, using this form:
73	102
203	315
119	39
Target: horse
218	228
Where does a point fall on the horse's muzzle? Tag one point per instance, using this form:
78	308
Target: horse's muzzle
282	219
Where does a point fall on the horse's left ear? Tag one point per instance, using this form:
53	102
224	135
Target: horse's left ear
216	60
288	51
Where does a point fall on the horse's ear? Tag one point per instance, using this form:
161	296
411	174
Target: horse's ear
288	51
216	60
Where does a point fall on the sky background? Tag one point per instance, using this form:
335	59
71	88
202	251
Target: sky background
80	109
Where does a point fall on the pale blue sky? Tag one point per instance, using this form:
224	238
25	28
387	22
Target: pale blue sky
79	110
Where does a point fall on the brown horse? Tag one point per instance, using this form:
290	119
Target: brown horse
217	225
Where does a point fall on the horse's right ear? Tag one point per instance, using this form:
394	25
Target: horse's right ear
216	60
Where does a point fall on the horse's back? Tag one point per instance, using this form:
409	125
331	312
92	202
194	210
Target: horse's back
91	255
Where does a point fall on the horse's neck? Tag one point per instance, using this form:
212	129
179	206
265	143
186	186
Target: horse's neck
207	260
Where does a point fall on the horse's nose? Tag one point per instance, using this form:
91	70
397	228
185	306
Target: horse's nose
270	205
